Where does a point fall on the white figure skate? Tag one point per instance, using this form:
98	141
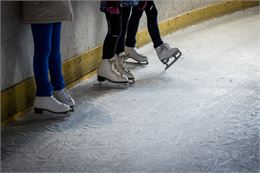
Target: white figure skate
165	53
107	71
64	97
122	68
133	54
51	105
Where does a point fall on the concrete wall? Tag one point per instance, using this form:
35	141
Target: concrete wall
86	31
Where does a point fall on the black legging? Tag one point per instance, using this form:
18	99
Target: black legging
113	34
115	38
153	29
121	41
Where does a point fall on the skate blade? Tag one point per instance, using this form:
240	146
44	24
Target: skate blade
44	112
103	79
111	85
137	62
176	55
130	60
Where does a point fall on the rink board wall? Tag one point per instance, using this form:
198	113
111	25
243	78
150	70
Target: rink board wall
82	43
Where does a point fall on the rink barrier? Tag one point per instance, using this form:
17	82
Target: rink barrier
194	17
18	99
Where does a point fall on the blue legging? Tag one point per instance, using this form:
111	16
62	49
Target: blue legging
47	58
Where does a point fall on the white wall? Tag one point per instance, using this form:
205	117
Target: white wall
86	31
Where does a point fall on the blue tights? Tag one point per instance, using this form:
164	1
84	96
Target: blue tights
47	58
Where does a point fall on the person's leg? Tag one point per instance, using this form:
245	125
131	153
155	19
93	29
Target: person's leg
132	29
42	47
163	50
113	34
55	65
44	100
120	49
152	22
133	26
107	69
121	41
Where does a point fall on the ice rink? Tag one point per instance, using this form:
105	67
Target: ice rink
201	115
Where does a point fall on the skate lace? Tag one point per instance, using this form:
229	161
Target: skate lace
66	96
113	68
122	62
54	101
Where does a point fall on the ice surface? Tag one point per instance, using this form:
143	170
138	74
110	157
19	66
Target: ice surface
201	115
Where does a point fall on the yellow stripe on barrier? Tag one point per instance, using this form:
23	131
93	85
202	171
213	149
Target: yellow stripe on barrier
194	17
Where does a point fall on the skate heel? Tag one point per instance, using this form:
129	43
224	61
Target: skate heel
38	111
101	79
